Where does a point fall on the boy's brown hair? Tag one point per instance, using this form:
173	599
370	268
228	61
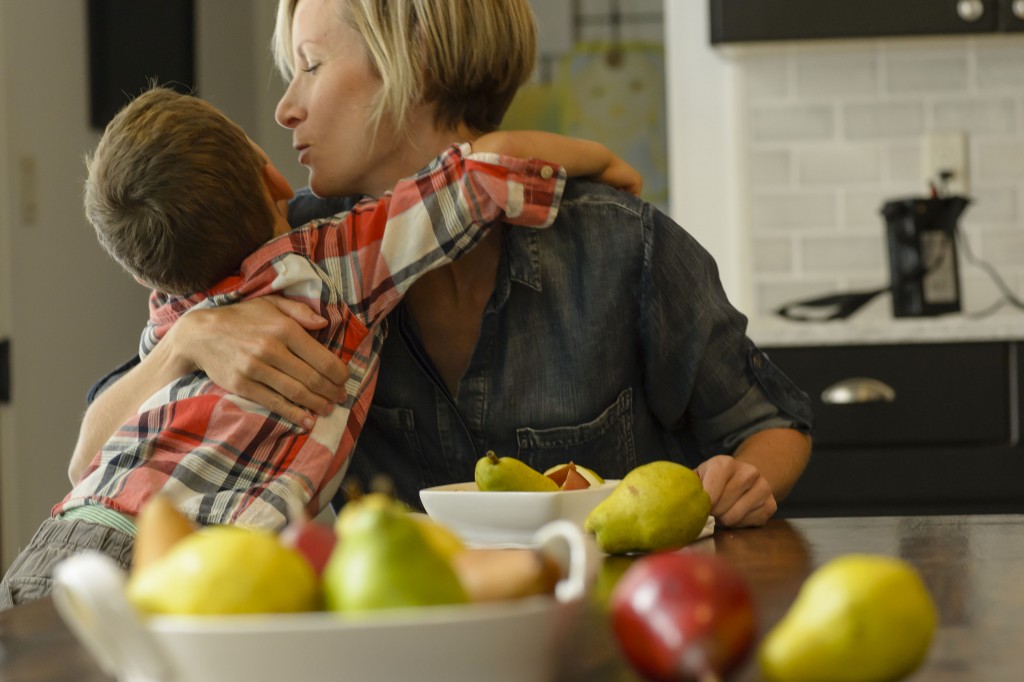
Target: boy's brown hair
175	192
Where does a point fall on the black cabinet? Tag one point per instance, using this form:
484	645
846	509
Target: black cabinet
738	21
911	428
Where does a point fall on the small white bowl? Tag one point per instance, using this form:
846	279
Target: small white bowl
507	518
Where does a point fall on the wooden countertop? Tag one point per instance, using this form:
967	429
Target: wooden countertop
971	564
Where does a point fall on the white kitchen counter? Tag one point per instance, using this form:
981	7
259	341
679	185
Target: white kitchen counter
779	332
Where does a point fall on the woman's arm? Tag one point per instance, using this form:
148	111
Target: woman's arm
258	349
580	158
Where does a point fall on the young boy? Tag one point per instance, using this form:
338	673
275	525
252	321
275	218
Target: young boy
186	203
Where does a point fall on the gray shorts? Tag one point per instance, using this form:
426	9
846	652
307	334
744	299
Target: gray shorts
30	576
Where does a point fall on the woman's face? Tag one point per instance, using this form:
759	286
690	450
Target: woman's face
328	103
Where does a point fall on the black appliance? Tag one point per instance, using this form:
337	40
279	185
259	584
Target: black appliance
921	237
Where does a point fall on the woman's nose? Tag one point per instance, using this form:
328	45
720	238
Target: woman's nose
287	113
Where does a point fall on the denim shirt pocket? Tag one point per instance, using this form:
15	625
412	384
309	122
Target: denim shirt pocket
604	444
786	395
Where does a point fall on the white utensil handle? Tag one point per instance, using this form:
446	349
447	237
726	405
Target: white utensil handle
565	542
89	593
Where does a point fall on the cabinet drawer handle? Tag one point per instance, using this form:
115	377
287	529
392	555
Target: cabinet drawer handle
858	390
970	10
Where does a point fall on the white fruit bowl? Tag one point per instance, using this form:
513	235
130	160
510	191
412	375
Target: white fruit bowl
500	641
507	518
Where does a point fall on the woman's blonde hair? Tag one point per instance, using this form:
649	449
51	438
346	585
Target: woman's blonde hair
466	57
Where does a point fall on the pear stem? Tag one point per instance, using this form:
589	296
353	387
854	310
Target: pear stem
492	457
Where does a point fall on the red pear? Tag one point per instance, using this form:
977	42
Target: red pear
314	541
683	616
574	480
567	477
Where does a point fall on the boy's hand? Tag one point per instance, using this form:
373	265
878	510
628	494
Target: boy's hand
622	176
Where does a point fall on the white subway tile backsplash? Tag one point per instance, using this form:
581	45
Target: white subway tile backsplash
793	211
836	130
772	255
842	254
1001	160
863	208
770	169
976	115
772	294
839	165
991	205
905	162
1002	247
1000	63
839	73
767	76
884	119
789	123
925	74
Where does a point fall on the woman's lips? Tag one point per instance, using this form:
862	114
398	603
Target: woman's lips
303	150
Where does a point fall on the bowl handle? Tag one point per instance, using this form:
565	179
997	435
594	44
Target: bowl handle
89	593
564	542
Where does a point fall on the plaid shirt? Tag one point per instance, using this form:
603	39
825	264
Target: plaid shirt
224	459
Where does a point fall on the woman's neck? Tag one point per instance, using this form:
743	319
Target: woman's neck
414	150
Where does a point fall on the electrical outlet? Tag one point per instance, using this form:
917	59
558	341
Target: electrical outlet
944	155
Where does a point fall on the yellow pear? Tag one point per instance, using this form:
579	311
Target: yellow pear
225	570
858	618
509	474
657	506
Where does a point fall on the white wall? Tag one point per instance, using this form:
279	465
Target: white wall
72	313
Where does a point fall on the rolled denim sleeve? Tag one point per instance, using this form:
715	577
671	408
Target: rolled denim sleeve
705	377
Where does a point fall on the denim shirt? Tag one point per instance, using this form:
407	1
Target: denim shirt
608	341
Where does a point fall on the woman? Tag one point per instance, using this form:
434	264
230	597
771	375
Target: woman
607	341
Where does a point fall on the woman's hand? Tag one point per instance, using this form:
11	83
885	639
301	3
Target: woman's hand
745	489
740	495
261	350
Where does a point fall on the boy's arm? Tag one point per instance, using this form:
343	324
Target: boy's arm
435	216
578	157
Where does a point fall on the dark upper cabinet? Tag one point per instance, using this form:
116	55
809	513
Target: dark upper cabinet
739	21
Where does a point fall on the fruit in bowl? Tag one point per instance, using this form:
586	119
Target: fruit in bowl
657	506
571	476
434	643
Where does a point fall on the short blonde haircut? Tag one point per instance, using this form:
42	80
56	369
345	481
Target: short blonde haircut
175	192
467	57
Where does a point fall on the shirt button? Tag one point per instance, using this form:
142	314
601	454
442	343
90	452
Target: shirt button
758	361
546	172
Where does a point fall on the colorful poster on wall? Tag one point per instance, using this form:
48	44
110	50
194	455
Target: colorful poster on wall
615	94
612	93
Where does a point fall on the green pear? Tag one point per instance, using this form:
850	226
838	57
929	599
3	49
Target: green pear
509	474
857	618
657	506
384	560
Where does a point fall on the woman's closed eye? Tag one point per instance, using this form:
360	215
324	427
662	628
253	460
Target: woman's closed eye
311	68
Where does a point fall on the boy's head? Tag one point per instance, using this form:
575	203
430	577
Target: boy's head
176	192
